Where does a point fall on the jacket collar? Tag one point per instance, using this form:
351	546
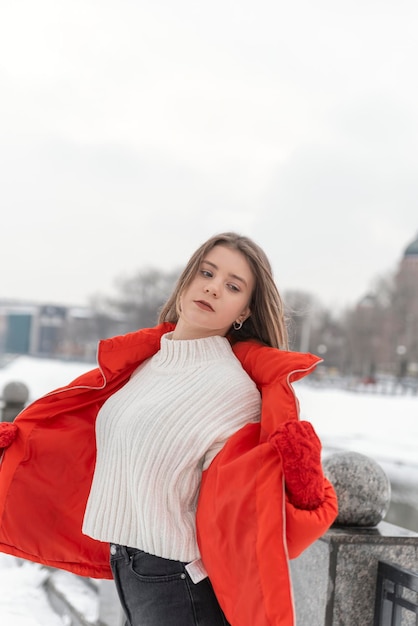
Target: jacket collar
263	364
126	352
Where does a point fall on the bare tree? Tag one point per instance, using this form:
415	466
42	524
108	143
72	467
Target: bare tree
405	313
302	310
142	295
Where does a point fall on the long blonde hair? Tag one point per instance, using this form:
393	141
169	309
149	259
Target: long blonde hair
267	320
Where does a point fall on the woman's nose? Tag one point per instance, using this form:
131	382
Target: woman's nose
212	288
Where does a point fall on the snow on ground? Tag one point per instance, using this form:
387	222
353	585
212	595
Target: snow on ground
384	426
82	597
41	375
381	426
23	601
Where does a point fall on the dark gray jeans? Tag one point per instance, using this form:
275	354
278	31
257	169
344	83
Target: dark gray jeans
159	592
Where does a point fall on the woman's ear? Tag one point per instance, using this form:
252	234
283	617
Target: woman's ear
245	315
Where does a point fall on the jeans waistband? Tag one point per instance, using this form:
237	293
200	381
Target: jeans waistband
118	551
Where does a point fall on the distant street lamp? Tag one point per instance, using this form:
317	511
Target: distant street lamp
403	362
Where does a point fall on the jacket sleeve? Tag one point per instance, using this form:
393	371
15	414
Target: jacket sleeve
303	527
300	450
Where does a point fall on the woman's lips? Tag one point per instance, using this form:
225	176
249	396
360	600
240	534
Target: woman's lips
205	306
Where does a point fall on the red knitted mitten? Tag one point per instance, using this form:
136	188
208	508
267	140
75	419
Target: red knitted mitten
300	450
8	433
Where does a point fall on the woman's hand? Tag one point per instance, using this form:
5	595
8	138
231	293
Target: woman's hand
300	450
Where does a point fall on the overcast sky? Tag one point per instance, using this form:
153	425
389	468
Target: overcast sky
132	130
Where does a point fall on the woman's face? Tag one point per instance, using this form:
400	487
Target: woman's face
218	295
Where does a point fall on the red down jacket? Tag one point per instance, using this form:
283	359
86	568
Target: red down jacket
247	529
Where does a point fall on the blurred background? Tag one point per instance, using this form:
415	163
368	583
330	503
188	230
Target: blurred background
130	132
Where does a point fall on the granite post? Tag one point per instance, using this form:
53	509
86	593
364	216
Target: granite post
15	396
334	580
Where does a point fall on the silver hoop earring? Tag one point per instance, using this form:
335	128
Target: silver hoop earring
237	325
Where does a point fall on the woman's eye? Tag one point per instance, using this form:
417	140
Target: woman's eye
206	273
233	287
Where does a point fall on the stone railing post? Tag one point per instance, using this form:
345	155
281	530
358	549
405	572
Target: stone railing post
334	580
15	395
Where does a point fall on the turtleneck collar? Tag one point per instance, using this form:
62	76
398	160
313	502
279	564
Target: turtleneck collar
191	352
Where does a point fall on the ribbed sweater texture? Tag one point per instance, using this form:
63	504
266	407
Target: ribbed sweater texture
154	438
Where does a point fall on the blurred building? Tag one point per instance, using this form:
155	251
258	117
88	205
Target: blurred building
54	331
405	310
383	328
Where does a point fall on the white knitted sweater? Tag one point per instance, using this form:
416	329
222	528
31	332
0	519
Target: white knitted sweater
154	438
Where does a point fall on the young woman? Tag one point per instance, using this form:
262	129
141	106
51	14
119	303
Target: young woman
183	450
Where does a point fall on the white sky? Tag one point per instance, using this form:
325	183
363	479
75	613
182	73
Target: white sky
132	131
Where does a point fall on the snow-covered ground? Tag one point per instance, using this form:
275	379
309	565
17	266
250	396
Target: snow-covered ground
23	601
384	427
381	426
